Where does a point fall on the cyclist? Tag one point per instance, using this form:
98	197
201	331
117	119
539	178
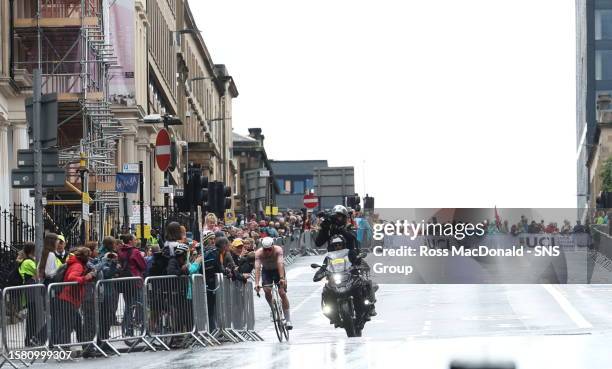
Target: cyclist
270	266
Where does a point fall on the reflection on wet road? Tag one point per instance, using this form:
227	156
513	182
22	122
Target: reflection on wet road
419	326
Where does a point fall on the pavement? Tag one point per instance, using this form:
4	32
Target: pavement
418	326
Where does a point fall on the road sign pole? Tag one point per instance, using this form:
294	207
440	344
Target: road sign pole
126	218
36	127
143	241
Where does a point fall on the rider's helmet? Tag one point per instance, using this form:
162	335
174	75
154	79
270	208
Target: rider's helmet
267	242
337	242
340	215
181	249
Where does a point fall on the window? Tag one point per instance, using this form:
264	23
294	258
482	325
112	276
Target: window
287	186
603	65
298	187
309	184
281	185
603	24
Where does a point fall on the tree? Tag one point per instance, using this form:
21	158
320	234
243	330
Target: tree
606	175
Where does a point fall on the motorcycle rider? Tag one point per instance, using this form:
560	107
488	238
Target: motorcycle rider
337	225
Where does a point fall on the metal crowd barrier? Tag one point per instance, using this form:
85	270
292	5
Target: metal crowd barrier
249	311
170	311
120	313
234	325
27	330
65	315
200	308
72	316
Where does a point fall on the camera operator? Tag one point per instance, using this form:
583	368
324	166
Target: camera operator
337	223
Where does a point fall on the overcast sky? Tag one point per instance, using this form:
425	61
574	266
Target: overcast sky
449	103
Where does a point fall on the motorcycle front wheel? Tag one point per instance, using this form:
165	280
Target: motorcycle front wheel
348	322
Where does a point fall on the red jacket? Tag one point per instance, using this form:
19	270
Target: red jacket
75	273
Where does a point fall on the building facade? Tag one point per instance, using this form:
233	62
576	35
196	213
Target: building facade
112	63
594	86
257	188
294	179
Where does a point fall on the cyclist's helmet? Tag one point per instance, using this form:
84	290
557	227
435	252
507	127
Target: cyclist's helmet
267	242
181	249
337	242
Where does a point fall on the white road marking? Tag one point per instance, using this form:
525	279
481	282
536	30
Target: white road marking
567	307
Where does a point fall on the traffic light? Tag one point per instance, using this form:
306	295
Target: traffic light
211	195
353	202
219	198
368	203
226	197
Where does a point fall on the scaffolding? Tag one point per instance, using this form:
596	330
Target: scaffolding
66	40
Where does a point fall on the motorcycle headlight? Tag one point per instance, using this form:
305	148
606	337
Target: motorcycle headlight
337	278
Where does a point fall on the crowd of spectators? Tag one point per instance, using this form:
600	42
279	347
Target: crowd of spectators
213	248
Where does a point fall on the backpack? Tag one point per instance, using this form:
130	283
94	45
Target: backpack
159	265
14	278
58	277
124	271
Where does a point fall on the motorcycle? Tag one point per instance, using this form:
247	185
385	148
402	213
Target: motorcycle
343	301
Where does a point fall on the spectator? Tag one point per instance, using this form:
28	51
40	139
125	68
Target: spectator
516	229
567	227
88	307
533	227
60	252
236	250
131	258
213	263
153	240
108	245
132	264
149	258
26	259
70	297
107	268
211	223
48	263
504	228
579	228
249	245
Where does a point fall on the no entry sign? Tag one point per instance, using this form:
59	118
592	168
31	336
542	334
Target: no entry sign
162	150
310	201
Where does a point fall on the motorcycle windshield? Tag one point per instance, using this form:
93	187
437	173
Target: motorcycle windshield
338	261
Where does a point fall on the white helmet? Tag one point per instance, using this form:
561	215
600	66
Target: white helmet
339	209
267	242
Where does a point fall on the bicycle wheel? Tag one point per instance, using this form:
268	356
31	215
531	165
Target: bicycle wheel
282	320
135	327
276	317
